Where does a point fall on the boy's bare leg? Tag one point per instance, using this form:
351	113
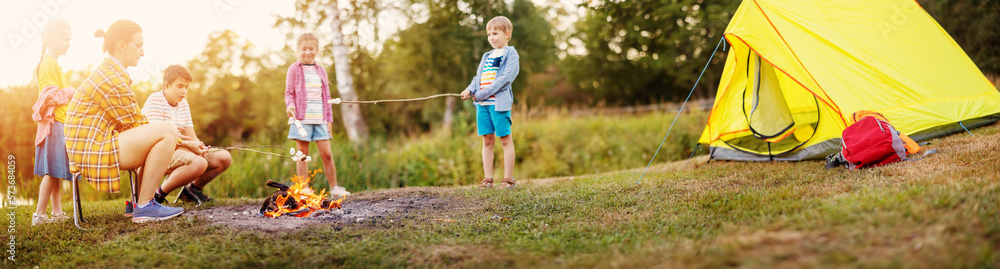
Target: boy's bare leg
508	156
488	141
44	192
219	161
329	167
148	146
301	168
56	195
184	175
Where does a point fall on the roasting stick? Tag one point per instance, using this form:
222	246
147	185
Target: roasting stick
337	101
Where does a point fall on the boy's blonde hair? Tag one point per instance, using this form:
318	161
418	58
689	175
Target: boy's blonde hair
307	37
500	23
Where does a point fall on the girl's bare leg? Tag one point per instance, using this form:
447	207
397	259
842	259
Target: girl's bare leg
329	167
44	192
301	168
55	198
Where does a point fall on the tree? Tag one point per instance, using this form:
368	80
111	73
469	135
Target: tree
975	25
535	44
324	18
437	54
230	101
647	51
354	122
436	51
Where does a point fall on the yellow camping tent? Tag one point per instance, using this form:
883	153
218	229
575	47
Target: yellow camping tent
798	69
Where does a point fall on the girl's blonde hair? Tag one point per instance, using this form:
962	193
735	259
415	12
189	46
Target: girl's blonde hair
51	34
307	37
500	23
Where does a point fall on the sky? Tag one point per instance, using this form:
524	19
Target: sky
173	31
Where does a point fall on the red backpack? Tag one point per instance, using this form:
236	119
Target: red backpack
871	142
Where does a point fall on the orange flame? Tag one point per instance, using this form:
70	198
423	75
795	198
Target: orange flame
307	201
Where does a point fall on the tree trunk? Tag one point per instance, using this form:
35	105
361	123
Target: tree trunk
449	114
354	123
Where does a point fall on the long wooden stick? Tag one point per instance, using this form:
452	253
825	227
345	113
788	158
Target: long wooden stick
337	101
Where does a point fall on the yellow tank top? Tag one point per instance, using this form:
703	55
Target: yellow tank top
50	74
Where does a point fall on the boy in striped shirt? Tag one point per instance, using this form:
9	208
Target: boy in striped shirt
493	97
187	170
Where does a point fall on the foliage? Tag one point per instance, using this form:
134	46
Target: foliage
557	145
653	50
236	94
975	25
648	51
436	53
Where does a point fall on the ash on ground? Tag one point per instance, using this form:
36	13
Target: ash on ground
366	209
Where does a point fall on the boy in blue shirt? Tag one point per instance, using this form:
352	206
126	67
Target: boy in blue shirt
493	97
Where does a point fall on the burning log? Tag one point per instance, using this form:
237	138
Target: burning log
318	213
277	185
297	200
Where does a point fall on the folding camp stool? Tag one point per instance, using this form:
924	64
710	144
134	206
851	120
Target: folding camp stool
78	209
185	189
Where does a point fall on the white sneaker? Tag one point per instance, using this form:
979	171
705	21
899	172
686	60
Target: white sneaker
339	191
58	217
38	219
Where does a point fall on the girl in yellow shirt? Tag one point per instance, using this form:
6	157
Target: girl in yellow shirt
51	160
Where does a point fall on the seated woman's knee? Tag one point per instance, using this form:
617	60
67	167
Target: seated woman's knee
166	128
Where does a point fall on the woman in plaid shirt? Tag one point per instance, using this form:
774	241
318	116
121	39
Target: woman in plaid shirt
106	132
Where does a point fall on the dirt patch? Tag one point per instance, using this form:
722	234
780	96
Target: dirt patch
376	208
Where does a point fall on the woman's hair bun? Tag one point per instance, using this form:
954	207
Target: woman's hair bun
99	33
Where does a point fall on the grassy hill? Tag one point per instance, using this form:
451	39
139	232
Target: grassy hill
942	211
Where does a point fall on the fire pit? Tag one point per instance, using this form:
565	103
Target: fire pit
386	208
297	200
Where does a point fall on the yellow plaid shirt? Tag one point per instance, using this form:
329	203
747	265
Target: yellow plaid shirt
103	106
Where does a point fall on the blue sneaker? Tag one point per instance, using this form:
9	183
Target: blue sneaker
155	212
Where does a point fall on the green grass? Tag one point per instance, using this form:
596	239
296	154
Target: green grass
939	212
555	145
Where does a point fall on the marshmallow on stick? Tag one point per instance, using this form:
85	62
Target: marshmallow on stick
298	156
298	125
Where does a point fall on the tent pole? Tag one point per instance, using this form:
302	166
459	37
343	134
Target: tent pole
769	155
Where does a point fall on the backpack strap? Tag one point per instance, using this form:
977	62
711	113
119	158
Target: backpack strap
929	152
834	160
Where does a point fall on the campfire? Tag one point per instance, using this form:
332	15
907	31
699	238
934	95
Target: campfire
297	200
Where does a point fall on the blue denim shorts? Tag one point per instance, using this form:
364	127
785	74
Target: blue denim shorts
314	132
490	121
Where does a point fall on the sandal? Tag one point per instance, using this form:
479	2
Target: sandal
487	183
508	183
